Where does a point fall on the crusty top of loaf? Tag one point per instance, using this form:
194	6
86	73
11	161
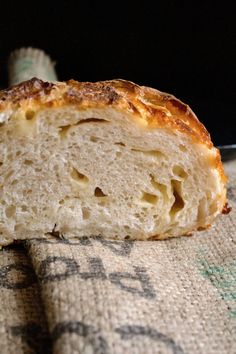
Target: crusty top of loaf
155	108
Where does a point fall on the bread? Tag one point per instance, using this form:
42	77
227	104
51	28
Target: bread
107	158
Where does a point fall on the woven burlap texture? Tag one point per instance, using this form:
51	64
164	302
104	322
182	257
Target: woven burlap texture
100	296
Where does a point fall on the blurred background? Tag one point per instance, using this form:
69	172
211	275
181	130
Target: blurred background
185	48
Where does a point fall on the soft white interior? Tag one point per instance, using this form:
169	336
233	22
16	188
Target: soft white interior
92	172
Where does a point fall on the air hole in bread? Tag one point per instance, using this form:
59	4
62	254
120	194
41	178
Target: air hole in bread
94	139
158	186
183	148
178	200
120	143
151	153
79	177
63	130
179	171
99	193
127	227
28	162
24	208
1	163
10	211
127	237
149	198
2	124
26	192
85	213
92	120
29	115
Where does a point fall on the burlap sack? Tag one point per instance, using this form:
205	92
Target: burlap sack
25	63
99	296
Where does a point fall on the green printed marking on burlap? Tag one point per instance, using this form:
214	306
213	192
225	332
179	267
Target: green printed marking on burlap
223	277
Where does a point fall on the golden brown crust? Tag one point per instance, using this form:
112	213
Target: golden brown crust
187	234
155	108
27	90
226	209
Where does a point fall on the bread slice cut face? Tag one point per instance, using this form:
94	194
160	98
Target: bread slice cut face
108	158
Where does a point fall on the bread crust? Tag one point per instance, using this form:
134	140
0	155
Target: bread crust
154	108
